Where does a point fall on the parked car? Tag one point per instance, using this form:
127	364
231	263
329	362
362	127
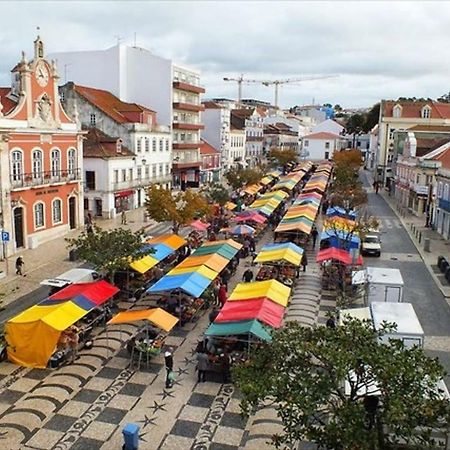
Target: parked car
371	244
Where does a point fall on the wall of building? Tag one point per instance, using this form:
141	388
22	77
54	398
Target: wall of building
317	149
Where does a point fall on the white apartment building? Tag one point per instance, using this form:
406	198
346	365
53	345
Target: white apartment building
237	147
320	146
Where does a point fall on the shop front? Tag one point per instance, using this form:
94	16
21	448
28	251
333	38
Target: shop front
123	200
186	175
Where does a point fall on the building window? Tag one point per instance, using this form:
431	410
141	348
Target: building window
167	169
17	165
439	190
124	175
167	145
37	163
138	145
161	145
161	170
139	172
147	144
116	176
39	215
71	161
92	120
327	145
154	167
154	144
397	111
130	174
417	178
147	172
426	112
55	162
90	179
327	155
306	143
56	211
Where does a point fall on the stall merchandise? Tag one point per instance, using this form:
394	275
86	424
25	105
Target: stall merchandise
33	335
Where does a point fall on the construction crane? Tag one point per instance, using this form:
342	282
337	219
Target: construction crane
277	83
239	82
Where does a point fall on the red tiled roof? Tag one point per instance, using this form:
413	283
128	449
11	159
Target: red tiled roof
430	128
444	157
100	145
426	145
322	135
207	149
109	103
210	105
261	111
243	112
7	103
413	109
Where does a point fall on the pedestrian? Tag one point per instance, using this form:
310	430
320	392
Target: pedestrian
304	261
325	206
223	295
168	359
225	276
202	366
19	265
331	323
314	234
247	276
225	364
213	314
123	216
377	187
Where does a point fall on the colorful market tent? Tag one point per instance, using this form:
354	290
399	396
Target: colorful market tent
221	248
286	252
201	270
271	289
171	240
247	327
230	242
240	230
340	239
191	283
33	334
252	189
338	254
341	212
157	316
266	180
199	225
213	261
230	206
264	310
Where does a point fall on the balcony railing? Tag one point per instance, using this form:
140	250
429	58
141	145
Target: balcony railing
444	204
188	86
44	178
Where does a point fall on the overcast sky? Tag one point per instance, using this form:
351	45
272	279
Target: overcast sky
378	49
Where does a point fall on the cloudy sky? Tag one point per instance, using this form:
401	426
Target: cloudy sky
376	50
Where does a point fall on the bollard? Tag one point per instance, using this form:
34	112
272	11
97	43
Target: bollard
426	245
145	217
420	237
130	436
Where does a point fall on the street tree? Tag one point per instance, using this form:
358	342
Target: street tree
238	177
109	251
283	157
372	117
180	209
217	193
355	126
318	380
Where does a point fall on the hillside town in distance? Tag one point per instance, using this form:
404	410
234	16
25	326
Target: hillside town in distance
180	270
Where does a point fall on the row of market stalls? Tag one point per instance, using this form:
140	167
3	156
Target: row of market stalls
182	286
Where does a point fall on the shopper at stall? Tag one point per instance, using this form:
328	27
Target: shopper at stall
304	262
314	234
168	360
223	295
225	363
19	265
247	276
202	366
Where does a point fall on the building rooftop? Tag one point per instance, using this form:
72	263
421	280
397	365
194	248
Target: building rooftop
207	149
99	145
322	135
413	109
7	103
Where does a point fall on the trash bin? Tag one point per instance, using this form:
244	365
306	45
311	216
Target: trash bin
444	265
130	436
426	244
72	255
440	258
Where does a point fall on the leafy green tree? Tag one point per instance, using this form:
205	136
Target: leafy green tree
217	193
283	157
238	177
303	370
109	251
372	117
180	209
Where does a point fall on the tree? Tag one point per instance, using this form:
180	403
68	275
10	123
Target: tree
283	157
109	251
372	117
444	98
217	193
238	177
302	372
180	209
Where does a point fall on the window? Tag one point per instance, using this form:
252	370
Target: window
154	167
17	165
39	215
56	211
147	144
154	145
327	145
397	111
306	143
167	145
116	176
426	112
71	161
439	190
90	179
124	174
37	162
147	172
327	155
55	162
161	145
92	120
167	169
417	178
139	172
130	174
139	145
161	170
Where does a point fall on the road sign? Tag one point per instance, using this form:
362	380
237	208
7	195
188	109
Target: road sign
5	236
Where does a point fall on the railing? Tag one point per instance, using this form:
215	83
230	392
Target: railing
444	204
44	178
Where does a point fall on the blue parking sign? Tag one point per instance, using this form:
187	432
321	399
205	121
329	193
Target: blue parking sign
5	236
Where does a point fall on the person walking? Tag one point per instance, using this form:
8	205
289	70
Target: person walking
202	366
247	276
377	187
223	295
314	234
123	216
19	266
304	261
168	360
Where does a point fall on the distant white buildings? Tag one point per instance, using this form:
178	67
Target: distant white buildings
321	145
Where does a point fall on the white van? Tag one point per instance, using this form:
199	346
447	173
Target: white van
371	243
70	277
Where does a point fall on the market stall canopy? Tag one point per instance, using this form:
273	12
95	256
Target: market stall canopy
275	173
340	255
199	225
171	240
272	289
308	195
202	270
339	223
157	316
250	215
97	292
213	261
340	239
240	230
221	248
191	283
264	310
266	180
144	264
252	327
252	189
302	225
231	242
341	212
230	206
280	252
